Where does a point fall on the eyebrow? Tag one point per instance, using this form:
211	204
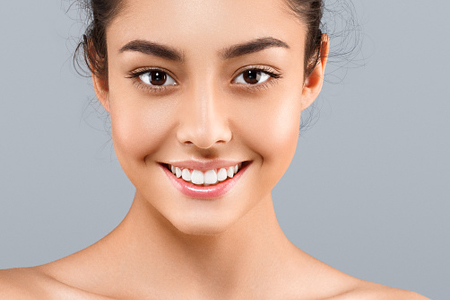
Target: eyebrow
155	49
163	51
252	47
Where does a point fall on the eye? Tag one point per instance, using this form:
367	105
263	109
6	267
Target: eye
156	77
254	76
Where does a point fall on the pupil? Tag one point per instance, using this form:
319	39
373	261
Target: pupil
252	76
158	78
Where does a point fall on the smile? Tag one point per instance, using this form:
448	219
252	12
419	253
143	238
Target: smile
207	178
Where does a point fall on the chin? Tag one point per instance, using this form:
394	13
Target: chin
201	230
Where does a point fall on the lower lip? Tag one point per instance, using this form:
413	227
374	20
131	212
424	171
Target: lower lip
204	192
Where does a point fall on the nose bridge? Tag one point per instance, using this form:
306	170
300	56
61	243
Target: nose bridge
204	122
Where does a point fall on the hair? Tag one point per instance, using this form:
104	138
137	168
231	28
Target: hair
92	48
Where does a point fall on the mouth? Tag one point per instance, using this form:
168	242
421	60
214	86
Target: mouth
210	180
205	178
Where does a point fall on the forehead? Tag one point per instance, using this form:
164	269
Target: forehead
202	25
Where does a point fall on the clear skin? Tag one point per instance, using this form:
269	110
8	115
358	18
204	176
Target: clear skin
171	246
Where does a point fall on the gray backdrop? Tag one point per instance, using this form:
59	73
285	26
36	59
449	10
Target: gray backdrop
366	193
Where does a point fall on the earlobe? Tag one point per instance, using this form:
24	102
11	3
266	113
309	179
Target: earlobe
313	83
101	90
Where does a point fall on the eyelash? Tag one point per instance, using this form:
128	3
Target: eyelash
150	88
274	76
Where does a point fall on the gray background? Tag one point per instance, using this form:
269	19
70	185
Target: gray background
366	193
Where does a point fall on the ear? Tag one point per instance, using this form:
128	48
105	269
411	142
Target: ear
100	82
101	90
313	83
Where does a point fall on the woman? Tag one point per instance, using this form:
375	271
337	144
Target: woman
205	99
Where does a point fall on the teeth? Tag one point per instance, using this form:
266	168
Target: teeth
230	172
209	177
177	172
222	175
197	177
186	175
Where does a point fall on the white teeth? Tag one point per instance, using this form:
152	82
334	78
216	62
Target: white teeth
186	175
230	172
222	175
197	177
211	177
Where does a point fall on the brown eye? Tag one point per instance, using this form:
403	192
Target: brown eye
157	78
252	76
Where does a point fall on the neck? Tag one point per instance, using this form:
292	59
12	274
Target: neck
147	233
149	249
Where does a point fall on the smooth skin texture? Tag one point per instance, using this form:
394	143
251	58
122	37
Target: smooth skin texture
171	246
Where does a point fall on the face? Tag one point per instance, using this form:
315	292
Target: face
198	87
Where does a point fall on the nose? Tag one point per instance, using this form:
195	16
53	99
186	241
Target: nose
204	119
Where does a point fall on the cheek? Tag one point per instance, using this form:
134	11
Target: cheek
139	126
271	132
273	129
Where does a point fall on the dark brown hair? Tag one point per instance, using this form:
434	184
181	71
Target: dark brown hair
100	13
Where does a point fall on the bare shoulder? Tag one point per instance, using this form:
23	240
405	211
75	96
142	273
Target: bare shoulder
328	283
372	291
32	284
21	284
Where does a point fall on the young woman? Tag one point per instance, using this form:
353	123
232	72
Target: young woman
205	99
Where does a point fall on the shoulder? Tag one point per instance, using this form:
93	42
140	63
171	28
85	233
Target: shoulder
372	291
32	284
21	284
328	283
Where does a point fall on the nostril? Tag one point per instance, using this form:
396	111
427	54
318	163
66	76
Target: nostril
203	133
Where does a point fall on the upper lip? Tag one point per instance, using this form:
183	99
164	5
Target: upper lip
204	165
